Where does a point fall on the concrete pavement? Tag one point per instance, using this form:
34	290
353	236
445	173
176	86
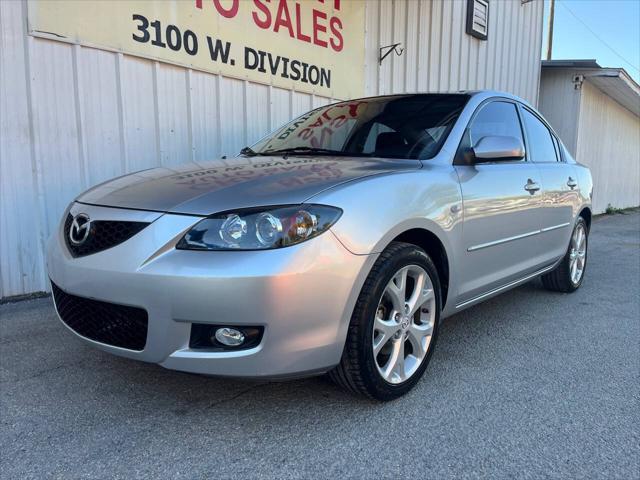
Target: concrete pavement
530	384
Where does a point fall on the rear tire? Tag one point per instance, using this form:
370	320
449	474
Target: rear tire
394	325
568	275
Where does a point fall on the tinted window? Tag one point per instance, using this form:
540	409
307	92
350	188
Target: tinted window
540	144
374	132
399	126
495	118
557	145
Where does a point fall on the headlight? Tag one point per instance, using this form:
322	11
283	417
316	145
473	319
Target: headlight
260	228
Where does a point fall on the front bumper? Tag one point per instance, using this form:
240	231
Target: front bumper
303	295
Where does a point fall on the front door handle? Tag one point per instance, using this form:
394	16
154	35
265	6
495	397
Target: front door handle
571	183
531	187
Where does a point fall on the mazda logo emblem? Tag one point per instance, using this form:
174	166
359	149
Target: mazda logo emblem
80	229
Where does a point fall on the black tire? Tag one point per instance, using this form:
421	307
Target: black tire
357	371
559	280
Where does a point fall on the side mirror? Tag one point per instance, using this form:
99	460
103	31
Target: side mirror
495	149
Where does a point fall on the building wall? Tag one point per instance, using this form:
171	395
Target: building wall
439	55
560	104
72	116
609	143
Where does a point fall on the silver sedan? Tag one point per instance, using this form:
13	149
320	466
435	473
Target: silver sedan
336	244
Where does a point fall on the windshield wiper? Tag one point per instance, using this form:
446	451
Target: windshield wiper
311	151
248	151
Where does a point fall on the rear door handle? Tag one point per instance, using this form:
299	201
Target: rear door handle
531	187
571	183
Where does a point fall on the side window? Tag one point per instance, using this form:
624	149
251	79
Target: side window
540	142
495	118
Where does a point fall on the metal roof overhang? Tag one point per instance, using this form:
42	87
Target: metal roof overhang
614	82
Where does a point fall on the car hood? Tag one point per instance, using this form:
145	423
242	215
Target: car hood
208	187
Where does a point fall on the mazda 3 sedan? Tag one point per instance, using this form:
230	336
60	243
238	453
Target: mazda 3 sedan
336	244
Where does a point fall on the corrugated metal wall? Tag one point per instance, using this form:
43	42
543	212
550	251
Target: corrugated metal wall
439	54
72	116
608	142
598	132
560	104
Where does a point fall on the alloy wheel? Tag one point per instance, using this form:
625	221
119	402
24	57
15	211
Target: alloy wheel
577	254
404	324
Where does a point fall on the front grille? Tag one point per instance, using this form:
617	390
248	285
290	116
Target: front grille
103	234
118	325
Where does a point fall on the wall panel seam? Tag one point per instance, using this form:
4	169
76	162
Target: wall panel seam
121	119
156	110
218	118
245	112
35	163
188	82
79	117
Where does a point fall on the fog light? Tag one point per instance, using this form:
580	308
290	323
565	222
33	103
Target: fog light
216	338
229	337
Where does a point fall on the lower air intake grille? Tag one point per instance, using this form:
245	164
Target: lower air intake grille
109	323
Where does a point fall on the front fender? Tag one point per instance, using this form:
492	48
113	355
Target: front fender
378	209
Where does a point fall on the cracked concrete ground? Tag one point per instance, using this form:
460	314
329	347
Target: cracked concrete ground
530	384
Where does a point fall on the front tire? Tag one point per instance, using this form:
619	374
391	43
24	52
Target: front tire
568	275
394	325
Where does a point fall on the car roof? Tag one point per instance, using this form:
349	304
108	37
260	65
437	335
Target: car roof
478	94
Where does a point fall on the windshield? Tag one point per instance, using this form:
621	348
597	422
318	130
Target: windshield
401	126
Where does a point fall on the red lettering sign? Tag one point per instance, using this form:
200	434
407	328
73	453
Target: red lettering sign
319	27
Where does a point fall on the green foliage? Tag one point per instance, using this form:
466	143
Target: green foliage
622	211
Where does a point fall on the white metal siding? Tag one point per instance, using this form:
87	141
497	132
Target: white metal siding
609	143
72	116
440	56
560	104
599	132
